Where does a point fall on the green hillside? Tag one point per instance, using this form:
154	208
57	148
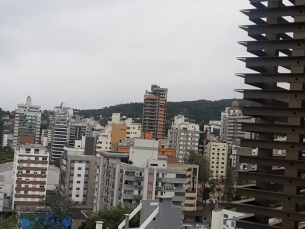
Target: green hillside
200	110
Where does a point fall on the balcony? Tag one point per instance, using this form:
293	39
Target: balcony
137	197
139	178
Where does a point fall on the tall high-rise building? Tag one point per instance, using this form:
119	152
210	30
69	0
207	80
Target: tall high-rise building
154	111
183	136
278	44
27	123
60	135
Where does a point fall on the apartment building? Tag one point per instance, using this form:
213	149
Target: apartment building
234	122
183	136
116	131
191	185
46	137
76	131
27	123
154	111
236	151
30	172
128	178
77	176
60	134
2	188
218	156
231	121
213	128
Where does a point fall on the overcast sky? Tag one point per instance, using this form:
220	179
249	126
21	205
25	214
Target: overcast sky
91	54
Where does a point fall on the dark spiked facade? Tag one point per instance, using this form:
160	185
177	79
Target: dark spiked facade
279	57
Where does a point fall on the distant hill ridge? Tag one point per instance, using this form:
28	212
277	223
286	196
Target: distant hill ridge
200	110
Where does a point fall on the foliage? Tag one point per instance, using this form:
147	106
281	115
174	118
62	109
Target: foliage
199	110
204	173
6	154
55	162
61	209
9	223
14	222
111	218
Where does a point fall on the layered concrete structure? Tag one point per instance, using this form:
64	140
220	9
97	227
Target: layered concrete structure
279	41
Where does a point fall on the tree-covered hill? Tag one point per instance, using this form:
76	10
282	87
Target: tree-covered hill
200	110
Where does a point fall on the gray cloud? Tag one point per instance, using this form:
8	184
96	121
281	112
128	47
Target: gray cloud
92	54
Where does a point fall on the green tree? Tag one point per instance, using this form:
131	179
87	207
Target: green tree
6	154
14	222
204	173
61	208
55	162
111	218
10	222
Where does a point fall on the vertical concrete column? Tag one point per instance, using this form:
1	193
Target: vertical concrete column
126	221
99	224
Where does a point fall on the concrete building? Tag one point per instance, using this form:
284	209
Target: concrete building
6	170
231	121
77	176
76	131
218	156
213	127
27	123
128	178
46	137
30	172
60	134
154	111
2	185
222	218
116	131
183	136
191	185
234	122
235	151
7	140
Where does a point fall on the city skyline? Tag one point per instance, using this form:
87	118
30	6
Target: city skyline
96	46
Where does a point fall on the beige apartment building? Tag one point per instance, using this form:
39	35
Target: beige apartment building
191	185
218	156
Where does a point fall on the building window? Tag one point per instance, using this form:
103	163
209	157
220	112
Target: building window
41	186
77	188
79	168
26	192
44	159
79	175
78	182
28	150
43	172
36	158
27	171
76	195
36	151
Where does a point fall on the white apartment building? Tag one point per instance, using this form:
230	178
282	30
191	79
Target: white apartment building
213	127
27	122
77	174
109	134
7	140
235	120
183	136
60	134
128	178
222	218
218	156
46	137
30	172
